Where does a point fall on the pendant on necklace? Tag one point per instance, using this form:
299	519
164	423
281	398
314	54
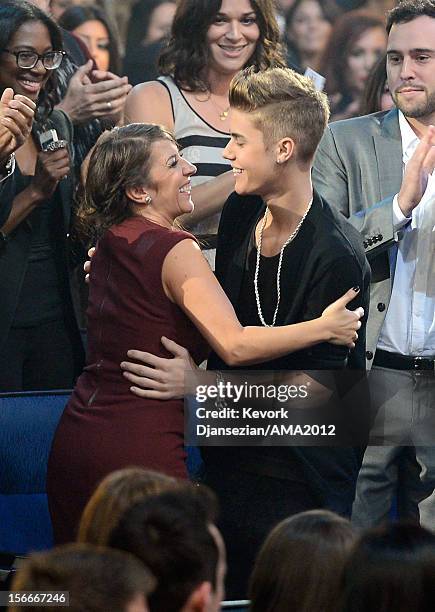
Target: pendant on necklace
224	114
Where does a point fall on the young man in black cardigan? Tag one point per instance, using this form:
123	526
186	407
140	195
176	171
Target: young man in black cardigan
283	255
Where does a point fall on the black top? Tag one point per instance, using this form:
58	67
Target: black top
325	260
41	296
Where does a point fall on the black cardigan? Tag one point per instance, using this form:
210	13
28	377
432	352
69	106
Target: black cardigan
329	472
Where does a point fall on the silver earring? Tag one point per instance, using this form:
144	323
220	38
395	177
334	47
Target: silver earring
148	200
278	161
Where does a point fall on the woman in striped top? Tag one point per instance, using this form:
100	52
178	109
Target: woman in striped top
211	41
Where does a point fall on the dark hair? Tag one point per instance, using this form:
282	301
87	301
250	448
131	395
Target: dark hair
392	569
75	16
114	495
96	578
408	10
300	564
347	30
171	534
186	55
13	14
139	22
121	158
371	100
328	7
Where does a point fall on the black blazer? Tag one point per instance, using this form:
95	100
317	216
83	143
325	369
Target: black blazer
16	251
334	262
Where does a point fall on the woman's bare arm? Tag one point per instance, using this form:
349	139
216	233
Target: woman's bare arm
189	282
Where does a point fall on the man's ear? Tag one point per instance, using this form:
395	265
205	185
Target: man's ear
285	150
199	599
138	194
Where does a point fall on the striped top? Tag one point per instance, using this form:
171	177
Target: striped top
202	145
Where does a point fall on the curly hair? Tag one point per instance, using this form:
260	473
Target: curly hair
13	14
186	55
120	159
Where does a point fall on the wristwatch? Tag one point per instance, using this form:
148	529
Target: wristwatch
7	169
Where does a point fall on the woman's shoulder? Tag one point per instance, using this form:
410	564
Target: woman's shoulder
137	229
149	103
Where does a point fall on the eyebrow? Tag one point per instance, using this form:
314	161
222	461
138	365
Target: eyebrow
248	14
235	135
30	48
410	51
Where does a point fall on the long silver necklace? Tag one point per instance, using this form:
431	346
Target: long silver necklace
278	274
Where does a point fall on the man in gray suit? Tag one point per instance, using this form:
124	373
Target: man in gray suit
377	170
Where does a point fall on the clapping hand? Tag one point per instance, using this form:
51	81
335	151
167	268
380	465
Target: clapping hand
417	172
93	94
16	118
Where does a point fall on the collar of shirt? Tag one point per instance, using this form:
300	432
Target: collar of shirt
410	139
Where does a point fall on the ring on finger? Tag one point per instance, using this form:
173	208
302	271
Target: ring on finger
109	105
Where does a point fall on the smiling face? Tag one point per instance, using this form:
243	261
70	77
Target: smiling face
411	67
254	164
232	37
366	51
96	37
309	29
169	181
31	36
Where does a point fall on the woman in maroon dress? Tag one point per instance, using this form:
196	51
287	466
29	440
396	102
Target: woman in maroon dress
149	280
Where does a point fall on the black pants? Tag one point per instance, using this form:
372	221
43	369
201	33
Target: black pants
250	506
37	358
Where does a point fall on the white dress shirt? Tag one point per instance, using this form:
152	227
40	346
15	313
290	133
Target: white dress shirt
409	326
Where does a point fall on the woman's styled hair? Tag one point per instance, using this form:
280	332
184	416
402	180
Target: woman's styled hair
347	30
113	496
186	55
120	159
75	16
299	566
391	569
13	14
282	103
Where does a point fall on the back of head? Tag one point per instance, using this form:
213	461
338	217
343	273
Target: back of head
171	534
113	496
300	564
97	579
407	10
392	569
282	104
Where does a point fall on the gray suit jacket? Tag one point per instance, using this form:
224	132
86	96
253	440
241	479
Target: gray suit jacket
358	169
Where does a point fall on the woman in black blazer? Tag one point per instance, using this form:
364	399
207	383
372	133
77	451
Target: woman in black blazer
39	341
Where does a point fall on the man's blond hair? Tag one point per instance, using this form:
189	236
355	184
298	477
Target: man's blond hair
283	104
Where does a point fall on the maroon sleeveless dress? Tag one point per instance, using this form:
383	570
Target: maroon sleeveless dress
104	426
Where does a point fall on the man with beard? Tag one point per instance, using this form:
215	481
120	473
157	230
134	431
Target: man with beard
359	168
